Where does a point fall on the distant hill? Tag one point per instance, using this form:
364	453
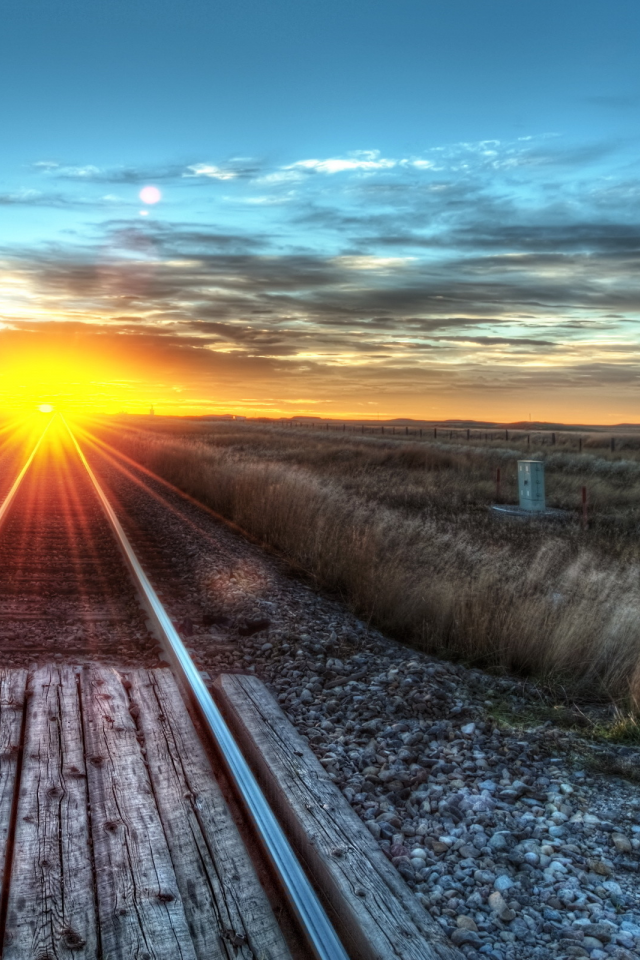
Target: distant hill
527	425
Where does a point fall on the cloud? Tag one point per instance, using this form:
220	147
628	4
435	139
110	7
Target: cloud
134	175
90	173
517	261
507	341
367	161
60	201
210	171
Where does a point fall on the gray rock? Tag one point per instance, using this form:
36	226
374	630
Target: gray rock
461	936
502	883
498	842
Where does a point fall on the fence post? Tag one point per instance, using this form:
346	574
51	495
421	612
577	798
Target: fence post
435	433
506	434
613	444
585	518
498	483
579	444
553	438
468	434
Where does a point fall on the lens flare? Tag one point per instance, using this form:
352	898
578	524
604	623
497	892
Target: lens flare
45	408
150	195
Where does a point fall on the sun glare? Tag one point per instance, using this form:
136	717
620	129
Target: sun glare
45	408
150	195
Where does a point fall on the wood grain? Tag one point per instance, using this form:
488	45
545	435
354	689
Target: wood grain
51	909
227	910
12	695
377	915
141	912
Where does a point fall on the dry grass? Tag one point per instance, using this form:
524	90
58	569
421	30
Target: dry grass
402	531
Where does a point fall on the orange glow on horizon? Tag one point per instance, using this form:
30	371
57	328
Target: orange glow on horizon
82	371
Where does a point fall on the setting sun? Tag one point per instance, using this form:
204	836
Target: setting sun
45	408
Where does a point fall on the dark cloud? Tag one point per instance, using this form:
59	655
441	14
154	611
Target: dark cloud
510	341
594	237
184	273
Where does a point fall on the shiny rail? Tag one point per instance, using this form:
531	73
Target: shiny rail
296	885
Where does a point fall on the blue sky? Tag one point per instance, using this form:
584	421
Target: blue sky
369	209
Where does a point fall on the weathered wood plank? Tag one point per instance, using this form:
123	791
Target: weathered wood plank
141	913
227	910
51	908
12	693
377	915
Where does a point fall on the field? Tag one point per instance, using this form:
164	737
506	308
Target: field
400	527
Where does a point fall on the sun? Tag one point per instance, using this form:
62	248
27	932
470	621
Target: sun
45	408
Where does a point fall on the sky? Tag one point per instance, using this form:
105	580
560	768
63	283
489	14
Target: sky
417	208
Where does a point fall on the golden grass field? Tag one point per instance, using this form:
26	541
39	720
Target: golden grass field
401	529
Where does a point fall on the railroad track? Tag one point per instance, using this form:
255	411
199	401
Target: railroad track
131	824
61	551
62	572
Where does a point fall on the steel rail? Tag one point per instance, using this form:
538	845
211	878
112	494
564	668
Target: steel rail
302	897
4	509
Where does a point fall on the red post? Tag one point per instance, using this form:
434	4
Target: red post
585	516
498	483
